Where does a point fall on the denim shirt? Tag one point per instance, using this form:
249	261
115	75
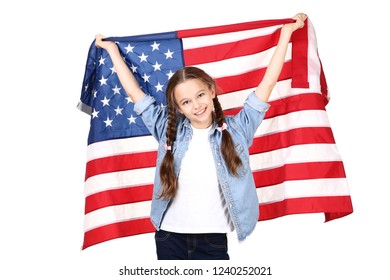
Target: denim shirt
239	191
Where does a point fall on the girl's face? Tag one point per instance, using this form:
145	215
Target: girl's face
195	100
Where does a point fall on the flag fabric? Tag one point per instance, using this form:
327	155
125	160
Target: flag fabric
294	159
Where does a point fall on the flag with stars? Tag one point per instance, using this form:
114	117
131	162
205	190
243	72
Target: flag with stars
294	158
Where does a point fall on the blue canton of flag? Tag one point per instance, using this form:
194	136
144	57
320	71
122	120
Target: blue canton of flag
152	64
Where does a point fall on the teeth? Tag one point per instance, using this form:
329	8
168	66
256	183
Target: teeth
201	112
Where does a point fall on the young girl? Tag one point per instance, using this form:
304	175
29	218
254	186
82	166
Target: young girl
203	185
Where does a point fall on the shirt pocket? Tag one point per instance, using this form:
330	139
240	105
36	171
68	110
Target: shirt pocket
243	154
161	150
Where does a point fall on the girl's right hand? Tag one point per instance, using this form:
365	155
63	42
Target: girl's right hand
103	44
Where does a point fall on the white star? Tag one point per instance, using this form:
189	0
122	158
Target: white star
163	106
101	60
170	74
95	113
129	100
116	90
143	57
108	122
168	54
103	81
155	46
86	88
159	87
105	101
157	66
113	70
146	78
129	48
131	119
118	110
133	68
94	93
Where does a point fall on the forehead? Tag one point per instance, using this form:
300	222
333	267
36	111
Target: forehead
189	88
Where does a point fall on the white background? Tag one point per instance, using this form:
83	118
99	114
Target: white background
44	46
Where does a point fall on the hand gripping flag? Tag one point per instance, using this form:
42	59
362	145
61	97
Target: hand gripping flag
294	158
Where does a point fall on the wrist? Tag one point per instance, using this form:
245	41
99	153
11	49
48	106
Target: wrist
112	48
288	28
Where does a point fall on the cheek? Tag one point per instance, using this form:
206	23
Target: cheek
180	109
177	107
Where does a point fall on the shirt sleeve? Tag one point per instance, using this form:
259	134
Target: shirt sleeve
153	115
256	103
251	116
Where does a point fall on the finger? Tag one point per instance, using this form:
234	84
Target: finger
98	39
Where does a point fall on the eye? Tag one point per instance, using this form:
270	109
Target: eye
201	94
185	102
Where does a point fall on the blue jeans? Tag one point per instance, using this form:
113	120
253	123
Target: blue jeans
179	246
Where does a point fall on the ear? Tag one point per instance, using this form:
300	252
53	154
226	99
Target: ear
213	94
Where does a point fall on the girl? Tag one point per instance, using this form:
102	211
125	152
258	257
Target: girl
203	185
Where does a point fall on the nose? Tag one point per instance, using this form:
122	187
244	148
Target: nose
195	104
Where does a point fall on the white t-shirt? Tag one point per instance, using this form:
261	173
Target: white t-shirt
198	206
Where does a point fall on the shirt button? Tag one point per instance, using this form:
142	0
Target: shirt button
219	163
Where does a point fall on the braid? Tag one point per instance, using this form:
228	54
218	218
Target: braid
167	172
227	146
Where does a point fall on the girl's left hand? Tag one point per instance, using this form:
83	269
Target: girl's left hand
299	22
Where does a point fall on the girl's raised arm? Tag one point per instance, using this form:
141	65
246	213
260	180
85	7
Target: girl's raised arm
264	89
125	76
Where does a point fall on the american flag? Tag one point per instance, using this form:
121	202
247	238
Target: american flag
294	158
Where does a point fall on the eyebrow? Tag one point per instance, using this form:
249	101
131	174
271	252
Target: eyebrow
199	91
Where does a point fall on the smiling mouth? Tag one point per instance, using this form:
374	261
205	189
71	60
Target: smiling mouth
201	112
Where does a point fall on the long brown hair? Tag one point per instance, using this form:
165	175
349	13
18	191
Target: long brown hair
167	173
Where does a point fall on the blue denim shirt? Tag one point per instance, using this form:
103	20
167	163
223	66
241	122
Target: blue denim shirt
239	191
